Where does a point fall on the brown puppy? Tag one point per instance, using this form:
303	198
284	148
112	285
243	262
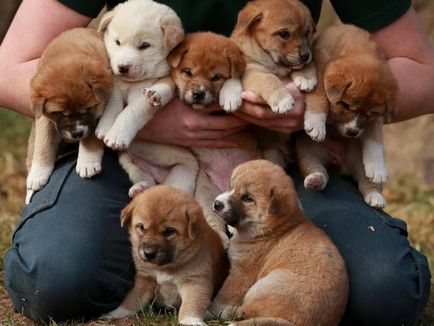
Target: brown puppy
275	37
179	259
284	270
201	77
68	94
356	89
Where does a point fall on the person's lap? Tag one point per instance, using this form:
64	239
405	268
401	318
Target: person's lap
71	259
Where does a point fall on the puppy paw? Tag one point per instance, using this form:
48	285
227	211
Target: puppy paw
376	172
316	181
305	83
101	131
153	97
118	313
88	169
315	125
29	195
375	199
118	140
38	176
139	187
281	105
192	321
230	95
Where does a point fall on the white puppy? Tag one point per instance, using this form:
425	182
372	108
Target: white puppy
138	34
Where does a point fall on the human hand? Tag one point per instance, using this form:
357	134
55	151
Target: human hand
256	111
179	124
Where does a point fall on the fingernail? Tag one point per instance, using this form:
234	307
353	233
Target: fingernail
246	94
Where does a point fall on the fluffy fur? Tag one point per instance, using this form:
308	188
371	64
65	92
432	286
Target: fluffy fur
284	270
139	34
179	259
68	95
356	90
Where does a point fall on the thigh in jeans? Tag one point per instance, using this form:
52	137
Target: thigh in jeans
70	258
389	279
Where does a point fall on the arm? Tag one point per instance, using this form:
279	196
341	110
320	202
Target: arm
410	55
35	24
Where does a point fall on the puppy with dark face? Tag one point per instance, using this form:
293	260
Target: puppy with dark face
206	68
356	91
278	258
179	259
276	37
68	95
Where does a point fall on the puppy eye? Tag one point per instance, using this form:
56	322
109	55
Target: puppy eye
216	77
247	198
117	42
168	232
284	35
140	228
144	46
345	105
187	72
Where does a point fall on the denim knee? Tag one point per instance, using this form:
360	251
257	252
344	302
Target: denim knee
70	258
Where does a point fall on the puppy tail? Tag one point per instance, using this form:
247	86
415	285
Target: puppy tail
263	321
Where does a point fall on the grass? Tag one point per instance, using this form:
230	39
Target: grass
406	200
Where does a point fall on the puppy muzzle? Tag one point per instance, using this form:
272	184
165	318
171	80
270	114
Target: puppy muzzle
154	254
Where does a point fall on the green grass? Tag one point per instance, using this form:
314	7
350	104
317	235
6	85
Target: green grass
406	200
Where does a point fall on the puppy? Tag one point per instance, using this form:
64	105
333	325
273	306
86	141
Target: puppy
276	38
139	34
68	95
284	270
179	259
356	90
206	68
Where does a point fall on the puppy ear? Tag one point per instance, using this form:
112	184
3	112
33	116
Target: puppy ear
236	61
99	79
175	57
105	20
127	213
193	215
276	206
247	18
335	85
37	103
173	33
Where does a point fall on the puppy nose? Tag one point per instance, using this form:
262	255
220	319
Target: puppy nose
304	57
218	205
198	94
150	253
123	69
77	134
352	132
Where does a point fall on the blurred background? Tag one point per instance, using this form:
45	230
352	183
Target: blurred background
409	150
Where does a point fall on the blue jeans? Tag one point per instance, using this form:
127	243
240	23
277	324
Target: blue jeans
70	258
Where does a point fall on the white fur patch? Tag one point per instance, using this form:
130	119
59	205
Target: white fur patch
192	321
315	125
375	199
88	162
282	105
38	176
158	95
373	161
316	181
118	313
306	82
230	95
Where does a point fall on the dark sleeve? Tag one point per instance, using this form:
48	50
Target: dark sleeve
89	8
371	15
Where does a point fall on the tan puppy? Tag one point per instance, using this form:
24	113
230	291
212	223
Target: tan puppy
284	270
356	89
139	34
68	95
275	37
179	259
